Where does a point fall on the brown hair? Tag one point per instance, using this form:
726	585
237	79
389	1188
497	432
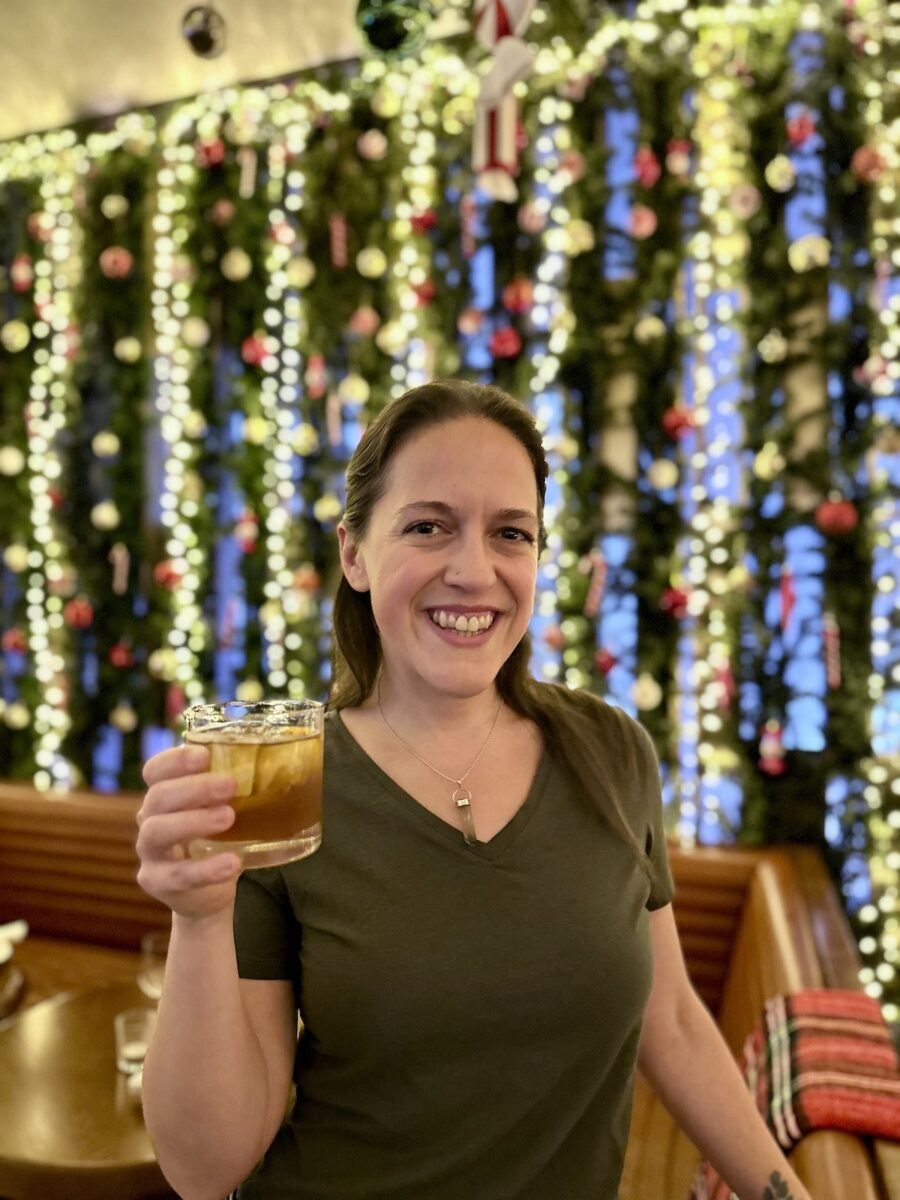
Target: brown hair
567	719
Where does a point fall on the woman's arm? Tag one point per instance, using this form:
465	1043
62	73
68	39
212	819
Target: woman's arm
687	1062
218	1070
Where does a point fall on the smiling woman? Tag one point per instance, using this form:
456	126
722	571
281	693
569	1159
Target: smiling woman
484	941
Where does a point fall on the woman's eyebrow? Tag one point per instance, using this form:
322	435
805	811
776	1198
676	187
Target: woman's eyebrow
503	514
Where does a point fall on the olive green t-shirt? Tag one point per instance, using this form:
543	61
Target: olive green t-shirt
471	1014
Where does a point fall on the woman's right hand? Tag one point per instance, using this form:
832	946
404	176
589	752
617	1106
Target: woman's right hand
184	801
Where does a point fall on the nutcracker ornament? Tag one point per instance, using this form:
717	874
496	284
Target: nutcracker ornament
499	25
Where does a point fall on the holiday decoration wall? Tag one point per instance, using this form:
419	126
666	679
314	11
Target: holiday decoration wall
673	233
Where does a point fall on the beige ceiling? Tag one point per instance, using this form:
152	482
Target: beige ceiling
61	60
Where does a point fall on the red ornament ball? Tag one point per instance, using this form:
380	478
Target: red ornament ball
423	222
14	640
554	637
121	656
836	517
470	321
604	661
518	295
254	349
506	343
425	292
167	574
307	579
21	272
867	164
211	153
79	613
674	601
677	422
116	262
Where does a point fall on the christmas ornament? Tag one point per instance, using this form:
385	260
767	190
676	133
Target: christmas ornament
470	321
121	565
499	26
162	663
14	640
773	347
642	222
113	206
353	390
236	265
800	129
105	444
505	342
315	377
17	715
283	232
745	201
255	430
116	262
209	153
305	440
78	613
604	661
223	212
392	338
532	218
662	474
372	145
14	336
424	292
168	574
423	222
646	167
124	718
518	295
836	517
204	31
394	28
40	226
677	422
578	237
831	639
21	273
121	656
255	349
780	174
646	692
128	349
649	329
195	333
771	748
15	557
768	462
246	531
867	164
809	252
363	321
12	461
337	240
593	564
674	601
307	578
371	262
386	102
678	157
105	515
301	271
250	691
328	508
554	638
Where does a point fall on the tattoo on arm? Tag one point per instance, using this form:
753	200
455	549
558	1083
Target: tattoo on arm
778	1188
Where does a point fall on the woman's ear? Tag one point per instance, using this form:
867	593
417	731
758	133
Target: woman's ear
352	561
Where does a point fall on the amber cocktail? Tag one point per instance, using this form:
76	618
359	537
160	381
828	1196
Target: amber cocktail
273	750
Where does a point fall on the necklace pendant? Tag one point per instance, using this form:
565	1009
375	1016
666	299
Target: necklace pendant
462	798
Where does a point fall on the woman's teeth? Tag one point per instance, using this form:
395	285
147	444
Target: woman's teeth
475	623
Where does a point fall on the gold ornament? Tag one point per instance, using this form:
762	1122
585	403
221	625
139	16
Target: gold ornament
16	557
12	461
780	174
124	718
353	389
646	692
15	336
128	349
301	271
113	206
392	338
579	237
255	431
105	444
663	474
195	332
371	262
236	265
17	715
774	347
105	515
305	439
250	691
649	329
327	508
809	252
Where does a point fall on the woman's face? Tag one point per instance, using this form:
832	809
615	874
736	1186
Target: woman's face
451	542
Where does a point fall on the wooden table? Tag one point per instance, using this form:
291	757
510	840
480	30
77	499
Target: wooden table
68	1128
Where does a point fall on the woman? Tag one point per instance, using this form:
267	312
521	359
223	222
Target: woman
483	948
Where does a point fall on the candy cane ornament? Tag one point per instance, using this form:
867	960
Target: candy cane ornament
498	26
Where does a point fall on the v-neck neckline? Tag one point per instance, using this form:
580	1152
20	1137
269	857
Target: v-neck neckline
491	850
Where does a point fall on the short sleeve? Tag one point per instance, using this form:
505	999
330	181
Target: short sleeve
662	887
266	933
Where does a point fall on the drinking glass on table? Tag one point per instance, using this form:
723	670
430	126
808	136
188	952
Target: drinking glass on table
273	749
154	948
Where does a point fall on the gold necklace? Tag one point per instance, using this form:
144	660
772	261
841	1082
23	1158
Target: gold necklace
462	796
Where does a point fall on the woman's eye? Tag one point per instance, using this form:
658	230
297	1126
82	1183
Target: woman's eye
511	534
422	527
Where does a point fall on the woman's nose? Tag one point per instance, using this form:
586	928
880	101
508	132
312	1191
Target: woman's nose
471	564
